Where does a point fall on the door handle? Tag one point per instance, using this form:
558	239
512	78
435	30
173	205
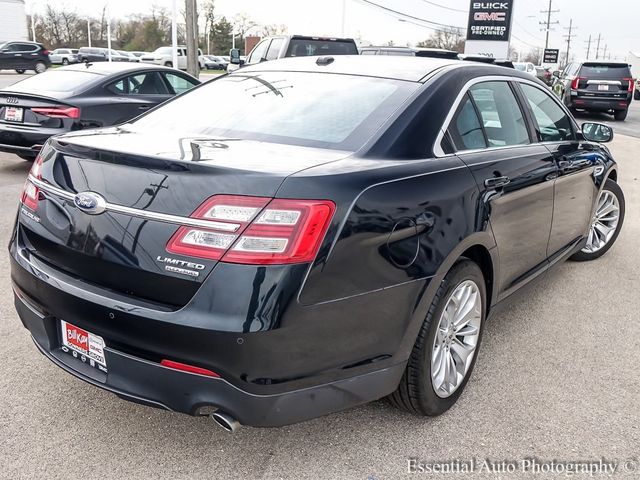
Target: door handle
144	107
562	164
496	182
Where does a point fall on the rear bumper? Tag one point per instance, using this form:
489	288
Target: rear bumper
151	384
22	141
601	104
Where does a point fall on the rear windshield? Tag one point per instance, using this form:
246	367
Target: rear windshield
520	66
316	110
299	47
605	71
59	81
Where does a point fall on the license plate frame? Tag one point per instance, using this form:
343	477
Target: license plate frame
14	114
83	345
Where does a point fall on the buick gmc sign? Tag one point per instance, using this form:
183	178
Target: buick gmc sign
490	21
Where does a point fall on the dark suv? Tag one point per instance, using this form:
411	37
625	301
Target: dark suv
596	86
23	56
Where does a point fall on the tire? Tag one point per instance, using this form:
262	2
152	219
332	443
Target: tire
65	62
636	95
40	67
416	392
20	70
588	254
620	115
168	64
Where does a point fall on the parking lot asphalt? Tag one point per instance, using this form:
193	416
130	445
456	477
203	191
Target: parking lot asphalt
556	378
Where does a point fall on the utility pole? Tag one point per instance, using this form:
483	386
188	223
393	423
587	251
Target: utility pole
108	32
588	46
569	36
548	22
604	54
193	64
174	34
598	46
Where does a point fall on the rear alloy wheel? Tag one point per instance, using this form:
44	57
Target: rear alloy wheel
168	64
606	224
20	70
620	114
65	61
40	67
446	349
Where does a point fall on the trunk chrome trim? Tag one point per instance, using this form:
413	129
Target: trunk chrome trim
135	212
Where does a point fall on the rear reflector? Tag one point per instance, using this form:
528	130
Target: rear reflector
58	112
260	230
183	367
30	193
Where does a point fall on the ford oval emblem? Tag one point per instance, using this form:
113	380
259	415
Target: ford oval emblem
90	203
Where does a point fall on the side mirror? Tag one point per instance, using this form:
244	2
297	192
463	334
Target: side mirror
597	132
234	56
556	73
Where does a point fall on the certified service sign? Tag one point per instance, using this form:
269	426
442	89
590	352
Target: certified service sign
490	21
489	28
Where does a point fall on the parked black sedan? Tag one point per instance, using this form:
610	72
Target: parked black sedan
79	97
336	230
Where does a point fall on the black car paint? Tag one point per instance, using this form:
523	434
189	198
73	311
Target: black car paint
296	341
23	60
99	107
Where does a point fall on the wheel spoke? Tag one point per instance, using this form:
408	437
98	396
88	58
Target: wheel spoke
461	351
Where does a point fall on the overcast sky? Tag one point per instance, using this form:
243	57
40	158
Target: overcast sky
616	20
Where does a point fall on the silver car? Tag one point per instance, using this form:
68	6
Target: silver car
64	56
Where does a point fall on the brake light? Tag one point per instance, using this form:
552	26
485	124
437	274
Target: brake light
45	52
183	367
576	83
30	193
255	230
630	88
58	112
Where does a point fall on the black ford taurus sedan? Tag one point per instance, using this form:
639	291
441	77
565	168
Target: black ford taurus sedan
80	97
332	233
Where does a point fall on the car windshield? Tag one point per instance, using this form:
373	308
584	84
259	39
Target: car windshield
317	110
54	81
605	71
74	51
299	47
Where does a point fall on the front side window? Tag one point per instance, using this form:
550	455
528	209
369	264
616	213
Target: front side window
178	84
274	48
501	116
466	129
259	52
553	124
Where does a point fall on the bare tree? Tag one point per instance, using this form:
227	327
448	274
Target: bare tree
447	39
274	29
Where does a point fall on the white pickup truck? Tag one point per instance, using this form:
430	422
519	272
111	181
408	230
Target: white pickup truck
164	56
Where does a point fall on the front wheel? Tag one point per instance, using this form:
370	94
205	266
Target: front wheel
168	64
40	67
65	61
20	71
606	223
446	348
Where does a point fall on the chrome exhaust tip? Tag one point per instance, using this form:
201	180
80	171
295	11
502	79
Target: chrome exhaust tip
227	422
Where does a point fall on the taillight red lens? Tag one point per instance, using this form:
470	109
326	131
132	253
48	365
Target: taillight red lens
46	52
255	230
630	87
30	192
58	112
575	83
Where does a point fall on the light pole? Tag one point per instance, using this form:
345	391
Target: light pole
174	34
89	32
108	32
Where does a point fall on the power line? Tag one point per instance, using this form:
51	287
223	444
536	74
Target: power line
526	31
445	7
401	14
526	43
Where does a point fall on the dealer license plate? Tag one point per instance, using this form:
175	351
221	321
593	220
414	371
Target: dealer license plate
83	345
603	87
13	114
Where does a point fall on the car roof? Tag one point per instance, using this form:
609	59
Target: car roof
412	69
108	68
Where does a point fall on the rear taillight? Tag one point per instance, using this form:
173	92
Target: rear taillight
45	52
630	87
255	230
183	367
58	112
30	192
576	83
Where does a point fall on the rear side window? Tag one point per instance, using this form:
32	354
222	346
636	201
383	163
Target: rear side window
147	84
299	47
605	71
178	84
553	124
501	116
465	129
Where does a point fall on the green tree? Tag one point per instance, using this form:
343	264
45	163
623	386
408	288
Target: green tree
221	37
